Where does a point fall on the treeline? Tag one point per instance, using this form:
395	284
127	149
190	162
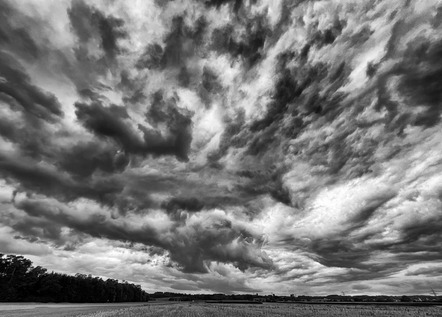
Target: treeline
20	281
296	299
370	298
205	297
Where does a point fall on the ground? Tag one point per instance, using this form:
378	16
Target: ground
213	310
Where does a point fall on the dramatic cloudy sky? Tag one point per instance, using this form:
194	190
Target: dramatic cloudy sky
272	146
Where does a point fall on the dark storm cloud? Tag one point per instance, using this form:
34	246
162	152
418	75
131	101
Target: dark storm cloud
34	177
178	123
37	228
191	244
136	97
60	215
98	42
222	40
29	38
234	135
377	271
328	36
421	234
84	158
30	136
151	58
92	170
437	18
418	73
286	90
237	4
210	81
219	240
31	133
265	182
298	102
422	79
250	47
33	138
210	86
13	37
181	46
114	122
183	203
88	22
37	178
131	87
17	90
188	194
297	94
339	252
109	122
181	43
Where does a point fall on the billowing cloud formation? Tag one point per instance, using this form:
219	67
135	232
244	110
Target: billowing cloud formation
225	146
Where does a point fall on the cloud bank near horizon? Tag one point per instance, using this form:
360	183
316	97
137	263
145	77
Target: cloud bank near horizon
225	146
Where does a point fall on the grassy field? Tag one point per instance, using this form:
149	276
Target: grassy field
222	310
55	310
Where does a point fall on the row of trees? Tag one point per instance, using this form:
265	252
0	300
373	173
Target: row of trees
20	281
301	298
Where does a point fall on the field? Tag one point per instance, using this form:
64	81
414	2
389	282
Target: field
214	310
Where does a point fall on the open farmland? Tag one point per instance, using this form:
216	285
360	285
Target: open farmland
222	310
54	310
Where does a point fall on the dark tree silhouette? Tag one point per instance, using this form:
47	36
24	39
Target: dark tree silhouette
20	281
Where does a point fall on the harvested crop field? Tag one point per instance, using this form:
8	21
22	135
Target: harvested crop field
55	310
222	310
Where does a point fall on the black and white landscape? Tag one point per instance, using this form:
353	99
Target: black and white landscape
260	146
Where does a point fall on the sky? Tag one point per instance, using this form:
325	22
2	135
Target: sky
219	146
